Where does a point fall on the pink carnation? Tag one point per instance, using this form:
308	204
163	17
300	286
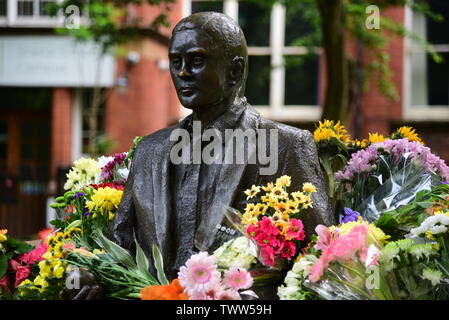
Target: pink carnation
34	255
22	273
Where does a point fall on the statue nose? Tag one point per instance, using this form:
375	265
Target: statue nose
184	72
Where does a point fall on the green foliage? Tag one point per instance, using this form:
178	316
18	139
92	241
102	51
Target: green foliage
115	269
106	24
374	41
413	214
131	151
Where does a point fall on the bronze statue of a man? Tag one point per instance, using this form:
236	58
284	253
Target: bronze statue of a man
169	204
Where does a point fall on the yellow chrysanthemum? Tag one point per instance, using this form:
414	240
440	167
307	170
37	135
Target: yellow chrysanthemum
3	236
45	269
308	187
327	130
251	193
323	134
284	181
58	270
105	200
39	281
409	133
376	137
375	234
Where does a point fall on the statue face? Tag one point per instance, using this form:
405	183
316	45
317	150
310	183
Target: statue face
197	70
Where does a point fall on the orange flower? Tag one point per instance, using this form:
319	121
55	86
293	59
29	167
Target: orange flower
173	291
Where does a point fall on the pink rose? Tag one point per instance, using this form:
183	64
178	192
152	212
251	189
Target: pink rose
22	273
4	283
35	255
12	265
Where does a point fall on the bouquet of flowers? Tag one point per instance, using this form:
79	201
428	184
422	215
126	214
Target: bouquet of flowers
271	219
389	174
15	261
355	259
336	147
202	279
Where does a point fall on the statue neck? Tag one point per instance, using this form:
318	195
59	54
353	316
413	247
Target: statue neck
208	114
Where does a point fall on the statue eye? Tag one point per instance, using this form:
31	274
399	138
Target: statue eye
176	62
197	61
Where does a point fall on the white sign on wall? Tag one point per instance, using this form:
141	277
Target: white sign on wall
53	61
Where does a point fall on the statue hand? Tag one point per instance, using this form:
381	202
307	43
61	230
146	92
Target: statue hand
81	285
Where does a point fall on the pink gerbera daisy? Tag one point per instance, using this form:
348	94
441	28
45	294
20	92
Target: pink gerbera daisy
199	275
237	278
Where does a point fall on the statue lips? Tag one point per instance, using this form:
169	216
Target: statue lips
187	91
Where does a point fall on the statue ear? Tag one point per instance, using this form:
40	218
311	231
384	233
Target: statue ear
237	70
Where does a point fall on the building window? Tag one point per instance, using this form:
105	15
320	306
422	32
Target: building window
427	88
26	13
283	83
3	8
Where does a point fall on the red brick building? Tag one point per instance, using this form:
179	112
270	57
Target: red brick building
42	120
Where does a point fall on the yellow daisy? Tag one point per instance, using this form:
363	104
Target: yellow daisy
251	193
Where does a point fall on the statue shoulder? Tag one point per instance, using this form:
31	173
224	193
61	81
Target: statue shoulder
152	142
286	131
156	138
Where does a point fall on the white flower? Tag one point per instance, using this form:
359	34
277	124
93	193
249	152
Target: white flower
292	279
437	229
422	250
288	293
433	276
372	255
235	253
123	173
430	222
102	161
304	265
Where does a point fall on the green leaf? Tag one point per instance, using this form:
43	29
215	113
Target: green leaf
159	265
117	252
3	265
74	224
142	262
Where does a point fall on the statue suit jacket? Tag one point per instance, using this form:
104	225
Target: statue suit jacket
145	209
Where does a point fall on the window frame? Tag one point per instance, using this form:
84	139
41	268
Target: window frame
418	112
277	109
12	19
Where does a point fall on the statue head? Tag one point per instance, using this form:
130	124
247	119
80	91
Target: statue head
208	60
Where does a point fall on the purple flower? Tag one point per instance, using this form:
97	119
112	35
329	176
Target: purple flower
79	194
349	215
86	212
365	160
